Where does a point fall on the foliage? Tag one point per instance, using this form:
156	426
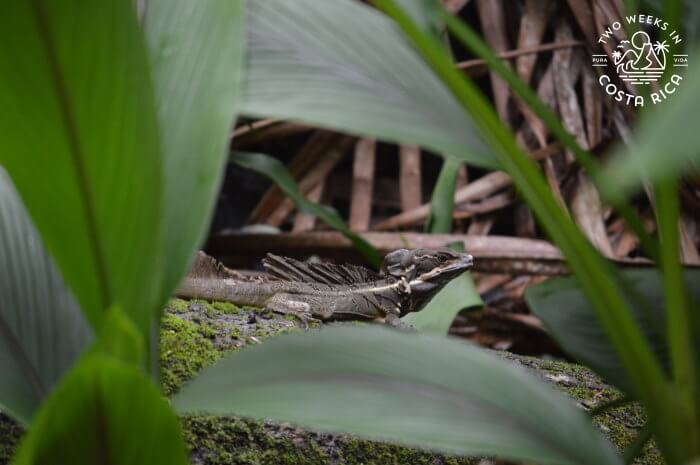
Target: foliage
439	400
349	68
580	333
43	330
117	152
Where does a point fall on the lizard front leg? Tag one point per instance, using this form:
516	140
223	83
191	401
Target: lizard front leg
289	304
396	322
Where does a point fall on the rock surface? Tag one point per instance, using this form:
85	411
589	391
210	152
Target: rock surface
194	334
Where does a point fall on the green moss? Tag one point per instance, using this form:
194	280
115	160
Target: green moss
185	348
621	425
362	452
178	305
218	441
203	333
235	441
226	308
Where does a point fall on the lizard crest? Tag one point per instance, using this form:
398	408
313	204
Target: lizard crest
419	273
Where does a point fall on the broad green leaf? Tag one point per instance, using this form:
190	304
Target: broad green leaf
566	312
197	51
104	412
418	390
80	141
665	144
42	331
275	171
341	65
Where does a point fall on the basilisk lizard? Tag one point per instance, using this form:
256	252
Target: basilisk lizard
408	279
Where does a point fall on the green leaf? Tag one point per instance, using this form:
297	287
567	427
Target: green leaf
438	315
120	339
104	412
595	275
419	390
665	145
196	50
442	203
272	169
81	146
561	305
342	65
427	14
42	331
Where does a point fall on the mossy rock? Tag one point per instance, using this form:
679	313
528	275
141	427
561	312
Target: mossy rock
213	440
195	333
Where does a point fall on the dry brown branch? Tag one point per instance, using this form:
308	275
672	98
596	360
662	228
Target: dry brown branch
489	204
315	175
565	77
304	222
481	225
475	190
453	6
410	188
268	133
532	27
593	104
488	282
492	18
584	17
319	142
494	254
362	185
689	253
468	64
587	210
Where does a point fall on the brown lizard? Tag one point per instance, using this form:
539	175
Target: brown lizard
406	282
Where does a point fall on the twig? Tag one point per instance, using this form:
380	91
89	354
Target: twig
523	51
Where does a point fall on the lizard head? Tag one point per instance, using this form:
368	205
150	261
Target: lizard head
424	272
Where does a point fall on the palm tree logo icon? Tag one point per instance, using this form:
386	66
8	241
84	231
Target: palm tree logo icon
638	61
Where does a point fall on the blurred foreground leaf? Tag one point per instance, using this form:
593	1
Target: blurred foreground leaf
342	65
81	146
104	412
196	50
418	390
42	331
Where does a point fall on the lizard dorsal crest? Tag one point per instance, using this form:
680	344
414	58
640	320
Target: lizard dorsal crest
205	266
289	269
